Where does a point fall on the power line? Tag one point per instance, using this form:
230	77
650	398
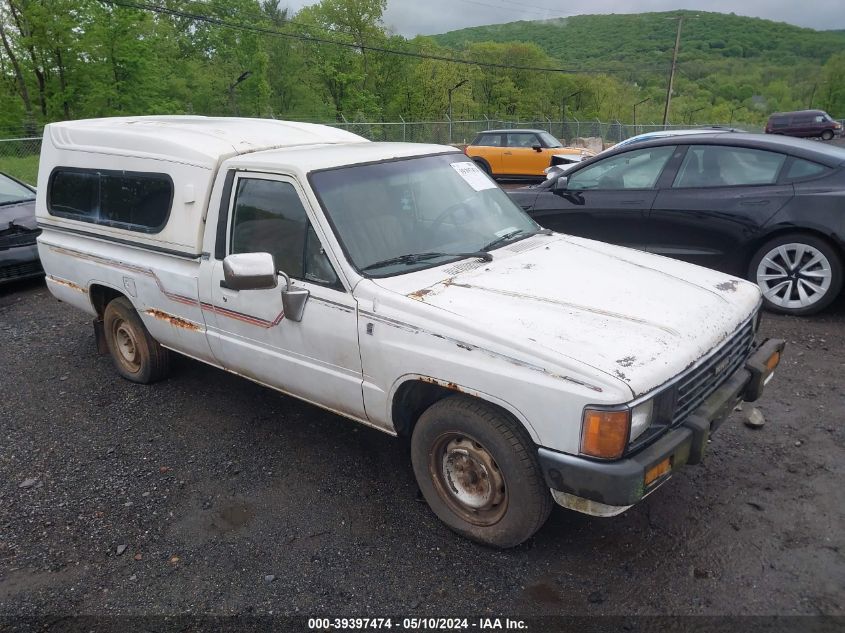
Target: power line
362	47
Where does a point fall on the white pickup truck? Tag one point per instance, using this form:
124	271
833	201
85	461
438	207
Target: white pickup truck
395	284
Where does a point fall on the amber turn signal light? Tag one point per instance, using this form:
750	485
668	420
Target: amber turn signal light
658	470
773	361
605	433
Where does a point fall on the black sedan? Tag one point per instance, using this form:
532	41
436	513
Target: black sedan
18	231
769	209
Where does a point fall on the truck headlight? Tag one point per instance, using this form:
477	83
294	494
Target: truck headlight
641	418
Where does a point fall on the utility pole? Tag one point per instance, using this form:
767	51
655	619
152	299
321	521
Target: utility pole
680	20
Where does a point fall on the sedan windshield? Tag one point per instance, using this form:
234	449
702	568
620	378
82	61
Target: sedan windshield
12	191
405	215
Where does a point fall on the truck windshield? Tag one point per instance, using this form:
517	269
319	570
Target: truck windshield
404	215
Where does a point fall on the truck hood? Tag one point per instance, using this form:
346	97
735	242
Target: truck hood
641	319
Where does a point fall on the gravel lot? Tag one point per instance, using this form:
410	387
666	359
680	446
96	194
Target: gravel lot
209	494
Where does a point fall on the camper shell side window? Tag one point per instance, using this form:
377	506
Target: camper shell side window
135	201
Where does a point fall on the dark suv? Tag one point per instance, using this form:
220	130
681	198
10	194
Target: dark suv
806	123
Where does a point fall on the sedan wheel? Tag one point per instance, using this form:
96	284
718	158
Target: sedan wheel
798	275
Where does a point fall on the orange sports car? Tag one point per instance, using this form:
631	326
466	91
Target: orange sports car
519	153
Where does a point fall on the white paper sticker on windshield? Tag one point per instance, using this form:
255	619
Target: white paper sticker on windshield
475	178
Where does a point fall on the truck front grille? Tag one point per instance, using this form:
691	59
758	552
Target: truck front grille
695	387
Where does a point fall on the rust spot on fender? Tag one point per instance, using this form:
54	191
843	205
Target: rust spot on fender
442	383
68	284
173	320
728	286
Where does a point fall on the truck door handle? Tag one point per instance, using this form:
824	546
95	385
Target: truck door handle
507	153
755	203
632	202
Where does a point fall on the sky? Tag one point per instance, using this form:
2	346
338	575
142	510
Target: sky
425	17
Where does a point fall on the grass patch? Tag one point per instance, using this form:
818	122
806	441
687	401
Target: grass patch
23	168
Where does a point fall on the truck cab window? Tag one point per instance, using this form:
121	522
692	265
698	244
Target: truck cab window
268	217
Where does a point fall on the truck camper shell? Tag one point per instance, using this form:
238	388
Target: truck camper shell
186	151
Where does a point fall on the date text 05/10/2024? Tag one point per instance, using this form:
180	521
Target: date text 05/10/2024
416	624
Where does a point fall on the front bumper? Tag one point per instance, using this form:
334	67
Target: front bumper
621	483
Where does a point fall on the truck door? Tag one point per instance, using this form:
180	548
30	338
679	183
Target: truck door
316	359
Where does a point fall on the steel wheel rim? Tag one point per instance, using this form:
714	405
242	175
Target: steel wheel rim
126	345
468	479
794	275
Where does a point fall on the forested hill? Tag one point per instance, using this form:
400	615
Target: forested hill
737	59
599	40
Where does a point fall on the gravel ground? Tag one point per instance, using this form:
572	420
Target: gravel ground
209	494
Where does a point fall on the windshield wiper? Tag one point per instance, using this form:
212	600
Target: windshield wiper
512	234
413	258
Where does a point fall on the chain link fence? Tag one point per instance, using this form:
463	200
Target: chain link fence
463	131
19	156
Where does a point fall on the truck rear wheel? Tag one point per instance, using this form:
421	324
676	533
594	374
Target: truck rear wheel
137	356
478	470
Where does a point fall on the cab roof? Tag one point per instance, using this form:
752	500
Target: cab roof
196	140
308	158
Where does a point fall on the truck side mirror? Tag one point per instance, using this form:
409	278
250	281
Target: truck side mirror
249	271
536	147
293	300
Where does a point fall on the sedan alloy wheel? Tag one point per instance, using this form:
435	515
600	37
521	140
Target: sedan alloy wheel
794	276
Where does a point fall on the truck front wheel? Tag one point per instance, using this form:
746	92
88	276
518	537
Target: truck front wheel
478	470
137	356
